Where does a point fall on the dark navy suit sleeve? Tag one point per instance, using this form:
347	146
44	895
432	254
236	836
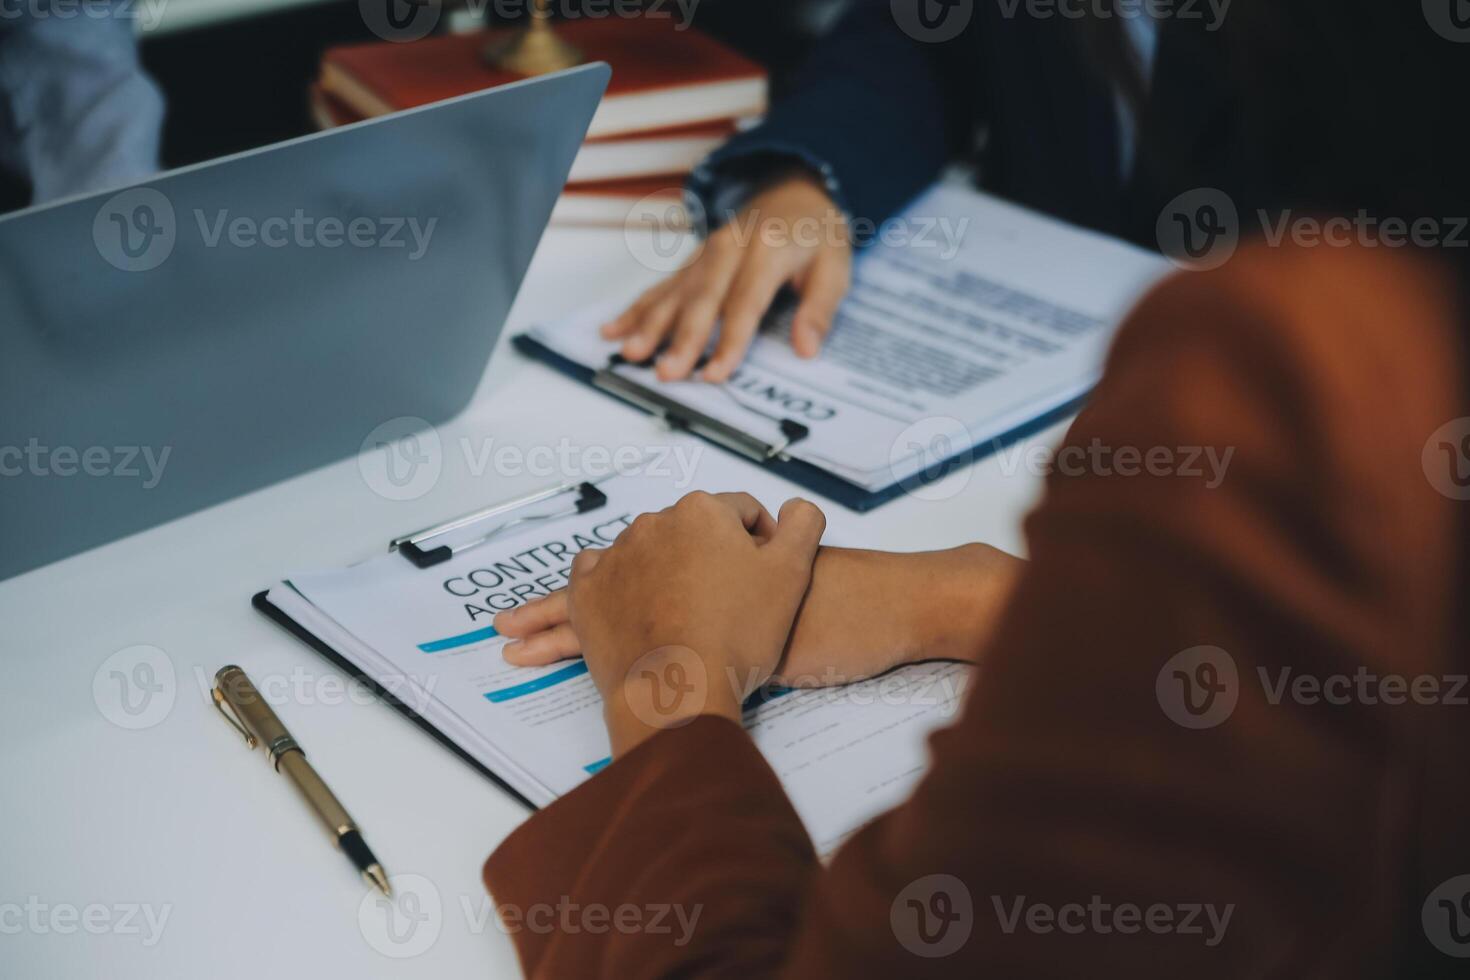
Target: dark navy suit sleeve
874	111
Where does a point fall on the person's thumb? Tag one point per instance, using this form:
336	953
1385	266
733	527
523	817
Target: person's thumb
799	529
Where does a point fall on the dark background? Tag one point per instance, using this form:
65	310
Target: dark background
243	83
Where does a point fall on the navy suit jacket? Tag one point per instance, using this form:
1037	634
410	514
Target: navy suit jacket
880	113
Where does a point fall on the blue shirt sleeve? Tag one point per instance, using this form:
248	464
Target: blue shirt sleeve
77	111
875	113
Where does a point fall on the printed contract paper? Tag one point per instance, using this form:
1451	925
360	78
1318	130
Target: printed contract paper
844	754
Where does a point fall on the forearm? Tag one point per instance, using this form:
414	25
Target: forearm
873	112
85	113
919	606
864	613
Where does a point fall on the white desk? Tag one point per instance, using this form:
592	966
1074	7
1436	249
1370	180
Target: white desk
179	819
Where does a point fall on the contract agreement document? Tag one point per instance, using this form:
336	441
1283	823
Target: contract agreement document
426	637
969	320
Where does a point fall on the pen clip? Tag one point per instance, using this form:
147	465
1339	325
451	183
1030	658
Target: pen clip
230	716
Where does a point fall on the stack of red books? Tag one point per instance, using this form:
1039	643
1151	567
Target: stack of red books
675	95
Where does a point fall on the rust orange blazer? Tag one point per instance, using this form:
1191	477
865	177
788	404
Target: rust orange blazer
1306	813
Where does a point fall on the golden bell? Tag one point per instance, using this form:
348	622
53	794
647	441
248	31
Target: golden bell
536	50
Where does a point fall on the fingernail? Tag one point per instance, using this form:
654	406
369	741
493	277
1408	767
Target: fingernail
804	339
665	368
512	648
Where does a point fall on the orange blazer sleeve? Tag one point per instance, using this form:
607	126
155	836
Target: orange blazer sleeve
1137	787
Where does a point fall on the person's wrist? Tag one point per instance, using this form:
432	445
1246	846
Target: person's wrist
667	695
965	591
794	175
794	196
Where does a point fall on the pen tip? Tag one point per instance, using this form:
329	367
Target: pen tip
374	874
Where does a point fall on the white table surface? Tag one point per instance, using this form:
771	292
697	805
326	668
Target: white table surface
102	825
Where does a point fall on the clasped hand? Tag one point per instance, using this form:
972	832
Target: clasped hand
693	608
688	611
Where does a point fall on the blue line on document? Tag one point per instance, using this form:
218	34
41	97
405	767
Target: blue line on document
462	640
539	684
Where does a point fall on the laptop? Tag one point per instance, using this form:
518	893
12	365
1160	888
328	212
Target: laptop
173	344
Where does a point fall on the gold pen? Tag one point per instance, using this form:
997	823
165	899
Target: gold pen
253	718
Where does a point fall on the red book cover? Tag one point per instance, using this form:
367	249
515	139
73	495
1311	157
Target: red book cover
662	76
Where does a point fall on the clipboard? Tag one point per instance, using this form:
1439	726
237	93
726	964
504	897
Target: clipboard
776	457
419	548
539	750
1003	273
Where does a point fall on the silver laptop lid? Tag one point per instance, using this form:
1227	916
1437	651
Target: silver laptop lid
257	316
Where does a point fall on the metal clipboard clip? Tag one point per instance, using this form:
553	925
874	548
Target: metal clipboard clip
679	416
412	546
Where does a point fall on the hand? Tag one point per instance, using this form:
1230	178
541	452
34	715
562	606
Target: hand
865	612
698	598
791	233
